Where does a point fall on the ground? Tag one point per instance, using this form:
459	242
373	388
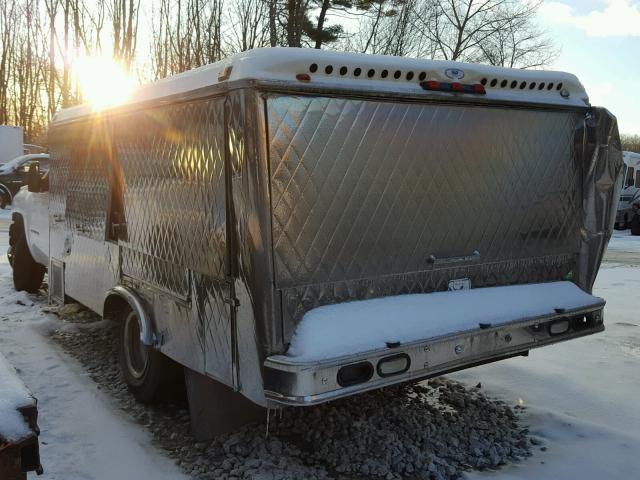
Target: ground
577	399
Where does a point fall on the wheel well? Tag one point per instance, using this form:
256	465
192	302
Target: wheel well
4	191
113	305
120	298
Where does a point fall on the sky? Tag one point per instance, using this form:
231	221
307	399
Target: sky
600	43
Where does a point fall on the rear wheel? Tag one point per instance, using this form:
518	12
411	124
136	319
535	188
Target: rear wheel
149	374
27	274
622	224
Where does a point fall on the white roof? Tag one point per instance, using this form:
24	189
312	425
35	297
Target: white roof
631	158
364	72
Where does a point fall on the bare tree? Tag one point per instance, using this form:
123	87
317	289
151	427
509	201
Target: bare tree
186	35
124	18
630	143
248	25
40	39
500	32
519	42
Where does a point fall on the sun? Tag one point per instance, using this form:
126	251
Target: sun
103	81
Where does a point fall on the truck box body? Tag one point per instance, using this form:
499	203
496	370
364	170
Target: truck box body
234	200
11	142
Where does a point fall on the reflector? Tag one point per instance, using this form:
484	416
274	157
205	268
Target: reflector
558	327
394	365
355	373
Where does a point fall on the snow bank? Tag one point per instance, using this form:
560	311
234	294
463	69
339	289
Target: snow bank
13	395
358	326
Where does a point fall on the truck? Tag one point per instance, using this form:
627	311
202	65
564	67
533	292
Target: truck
292	226
630	189
11	142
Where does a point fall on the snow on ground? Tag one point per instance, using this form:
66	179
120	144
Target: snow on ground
580	397
13	395
83	436
358	326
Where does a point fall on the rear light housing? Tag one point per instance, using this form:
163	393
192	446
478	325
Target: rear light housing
393	365
559	327
434	86
354	374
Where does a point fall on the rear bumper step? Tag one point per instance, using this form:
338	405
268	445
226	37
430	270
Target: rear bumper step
290	382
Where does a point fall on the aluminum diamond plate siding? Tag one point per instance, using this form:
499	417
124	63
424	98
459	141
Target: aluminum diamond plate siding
365	192
79	202
172	165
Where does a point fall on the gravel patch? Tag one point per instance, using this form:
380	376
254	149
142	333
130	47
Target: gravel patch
433	430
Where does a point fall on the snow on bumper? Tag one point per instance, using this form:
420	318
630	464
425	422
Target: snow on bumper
459	330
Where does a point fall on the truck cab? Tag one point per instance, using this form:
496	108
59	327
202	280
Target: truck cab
28	251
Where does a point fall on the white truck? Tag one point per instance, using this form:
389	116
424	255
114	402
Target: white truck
292	226
11	142
630	193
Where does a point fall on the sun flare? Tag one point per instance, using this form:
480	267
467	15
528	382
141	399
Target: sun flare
103	81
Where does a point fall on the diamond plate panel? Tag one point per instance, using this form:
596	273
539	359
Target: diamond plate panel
174	198
364	189
79	198
172	169
60	151
371	190
212	314
79	182
167	276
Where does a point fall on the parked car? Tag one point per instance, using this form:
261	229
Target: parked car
630	189
292	226
634	214
14	174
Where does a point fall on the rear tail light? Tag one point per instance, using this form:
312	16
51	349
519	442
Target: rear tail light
479	88
355	373
394	365
475	88
559	327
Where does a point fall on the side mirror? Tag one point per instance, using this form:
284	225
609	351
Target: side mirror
34	179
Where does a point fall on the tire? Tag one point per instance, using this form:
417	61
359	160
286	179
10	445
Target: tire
635	225
149	375
27	274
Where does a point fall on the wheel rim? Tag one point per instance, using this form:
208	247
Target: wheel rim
136	353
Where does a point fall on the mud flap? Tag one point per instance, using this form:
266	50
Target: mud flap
216	409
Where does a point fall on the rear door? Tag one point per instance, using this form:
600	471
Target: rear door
373	198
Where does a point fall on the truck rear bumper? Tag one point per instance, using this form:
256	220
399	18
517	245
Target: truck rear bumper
288	382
